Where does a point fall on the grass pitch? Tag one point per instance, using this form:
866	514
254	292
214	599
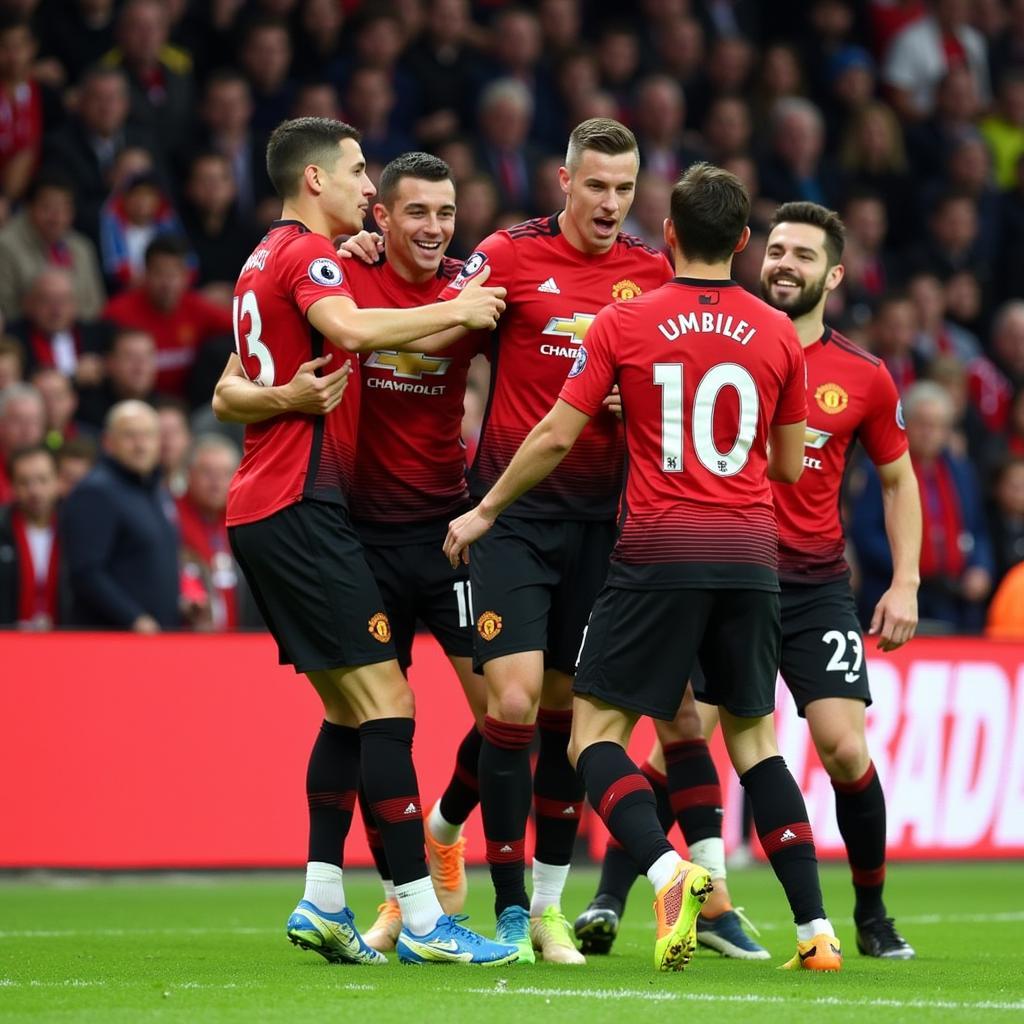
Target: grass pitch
193	950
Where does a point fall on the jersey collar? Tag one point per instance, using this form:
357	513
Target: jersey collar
287	224
703	282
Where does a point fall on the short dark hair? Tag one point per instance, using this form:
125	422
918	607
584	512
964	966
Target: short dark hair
601	134
302	141
50	179
819	217
710	208
20	454
167	245
424	166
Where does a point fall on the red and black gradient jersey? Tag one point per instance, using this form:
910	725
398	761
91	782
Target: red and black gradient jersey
291	456
850	396
410	462
705	369
554	293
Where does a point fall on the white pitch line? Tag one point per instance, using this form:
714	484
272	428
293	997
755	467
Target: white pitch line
709	997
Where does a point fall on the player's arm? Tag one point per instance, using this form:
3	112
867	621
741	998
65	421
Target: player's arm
786	452
236	399
344	324
895	616
544	448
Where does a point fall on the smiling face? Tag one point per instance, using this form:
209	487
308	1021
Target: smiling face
418	225
598	194
795	273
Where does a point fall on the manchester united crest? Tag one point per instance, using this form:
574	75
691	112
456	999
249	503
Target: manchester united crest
624	290
489	625
379	627
831	398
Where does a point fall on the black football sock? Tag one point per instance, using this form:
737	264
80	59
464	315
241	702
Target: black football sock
557	792
392	792
694	790
860	812
505	791
332	776
373	840
618	870
622	796
463	792
780	817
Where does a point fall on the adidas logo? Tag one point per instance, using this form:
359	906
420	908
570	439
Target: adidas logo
411	809
569	812
550	287
787	835
505	849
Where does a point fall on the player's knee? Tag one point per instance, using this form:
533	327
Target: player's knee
513	704
395	701
845	757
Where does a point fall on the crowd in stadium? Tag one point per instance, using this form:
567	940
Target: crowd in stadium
133	186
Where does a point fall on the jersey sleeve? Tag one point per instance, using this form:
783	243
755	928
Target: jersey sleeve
497	252
593	373
792	405
882	430
309	269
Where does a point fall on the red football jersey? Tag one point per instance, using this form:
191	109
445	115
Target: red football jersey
291	456
850	396
554	293
410	463
705	369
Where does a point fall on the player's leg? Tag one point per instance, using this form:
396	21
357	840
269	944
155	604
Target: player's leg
740	678
823	666
622	674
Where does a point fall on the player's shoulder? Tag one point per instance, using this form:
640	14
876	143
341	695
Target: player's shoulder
530	230
449	269
843	348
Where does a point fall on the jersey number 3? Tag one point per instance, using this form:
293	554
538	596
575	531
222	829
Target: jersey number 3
246	306
669	377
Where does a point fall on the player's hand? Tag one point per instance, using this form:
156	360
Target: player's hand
365	245
469	527
895	617
613	402
480	306
315	395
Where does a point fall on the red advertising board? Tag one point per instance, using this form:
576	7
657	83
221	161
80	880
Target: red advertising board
118	751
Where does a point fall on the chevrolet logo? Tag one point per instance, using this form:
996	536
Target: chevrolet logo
411	365
816	438
576	327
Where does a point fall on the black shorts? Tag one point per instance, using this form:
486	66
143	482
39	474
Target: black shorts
307	572
822	645
418	583
534	584
641	647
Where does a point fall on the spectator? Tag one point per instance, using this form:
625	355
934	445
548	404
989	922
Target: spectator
505	113
41	237
1006	516
134	216
850	88
12	361
956	112
21	112
478	208
74	460
130	373
226	128
969	173
318	40
796	169
953	241
120	546
618	60
727	72
159	74
778	78
893	332
77	39
206	556
561	24
929	48
369	105
220	236
727	129
55	336
646	217
869	270
317	98
265	59
87	146
679	46
1007	345
1003	129
22	425
660	115
956	556
61	402
178	318
33	582
175	441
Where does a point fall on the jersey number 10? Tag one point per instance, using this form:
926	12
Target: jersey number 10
669	377
246	306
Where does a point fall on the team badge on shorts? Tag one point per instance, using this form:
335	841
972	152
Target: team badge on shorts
489	625
379	627
831	398
624	290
